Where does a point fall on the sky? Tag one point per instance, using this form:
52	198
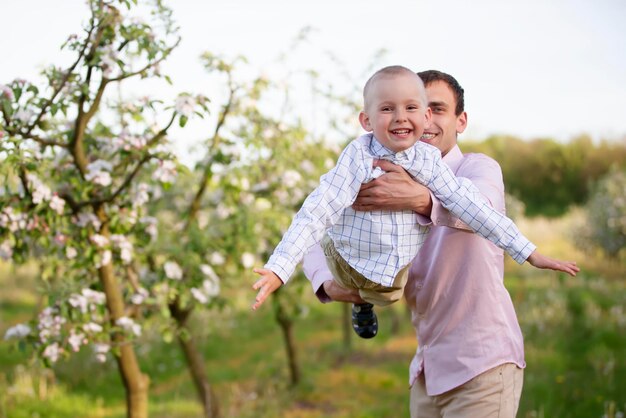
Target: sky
529	68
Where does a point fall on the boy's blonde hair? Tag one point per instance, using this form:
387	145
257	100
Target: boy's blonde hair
389	72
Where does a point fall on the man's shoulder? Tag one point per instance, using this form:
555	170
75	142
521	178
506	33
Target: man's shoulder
475	160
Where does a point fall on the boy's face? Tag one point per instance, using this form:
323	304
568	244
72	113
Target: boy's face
396	111
445	124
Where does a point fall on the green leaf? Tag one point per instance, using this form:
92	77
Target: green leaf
182	121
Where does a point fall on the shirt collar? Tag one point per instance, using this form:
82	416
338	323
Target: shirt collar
379	150
453	158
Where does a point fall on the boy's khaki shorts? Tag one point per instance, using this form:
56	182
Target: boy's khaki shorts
347	277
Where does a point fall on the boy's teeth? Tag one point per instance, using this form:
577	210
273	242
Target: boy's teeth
401	131
428	136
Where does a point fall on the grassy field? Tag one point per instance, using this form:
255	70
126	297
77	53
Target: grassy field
575	334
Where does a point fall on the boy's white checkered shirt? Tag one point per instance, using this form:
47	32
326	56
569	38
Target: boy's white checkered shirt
380	243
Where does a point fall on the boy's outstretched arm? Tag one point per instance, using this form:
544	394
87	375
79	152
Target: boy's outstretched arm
540	261
266	285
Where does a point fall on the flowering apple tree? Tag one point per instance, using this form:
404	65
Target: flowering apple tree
79	168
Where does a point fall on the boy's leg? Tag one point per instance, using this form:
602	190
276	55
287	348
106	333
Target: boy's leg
347	277
364	320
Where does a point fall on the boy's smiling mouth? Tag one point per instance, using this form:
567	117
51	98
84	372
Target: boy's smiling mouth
401	132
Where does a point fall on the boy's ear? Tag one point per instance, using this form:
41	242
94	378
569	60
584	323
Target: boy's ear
365	121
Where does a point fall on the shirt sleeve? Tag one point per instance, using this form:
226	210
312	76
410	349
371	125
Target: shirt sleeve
317	272
322	208
464	200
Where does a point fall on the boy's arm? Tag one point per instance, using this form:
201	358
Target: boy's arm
462	198
322	208
266	285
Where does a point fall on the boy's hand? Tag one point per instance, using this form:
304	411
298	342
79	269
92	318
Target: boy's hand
266	285
542	262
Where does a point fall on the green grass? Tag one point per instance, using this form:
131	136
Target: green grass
575	335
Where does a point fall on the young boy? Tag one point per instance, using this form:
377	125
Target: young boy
371	251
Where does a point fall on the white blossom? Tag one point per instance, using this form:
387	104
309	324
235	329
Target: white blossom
105	258
101	351
199	295
6	251
216	259
85	219
98	172
76	340
141	195
290	178
18	331
165	172
307	166
79	302
40	192
125	247
94	296
57	204
127	324
52	352
173	270
92	327
151	228
24	115
99	240
185	105
71	253
248	260
139	296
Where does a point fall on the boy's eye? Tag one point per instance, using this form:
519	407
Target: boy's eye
386	109
412	107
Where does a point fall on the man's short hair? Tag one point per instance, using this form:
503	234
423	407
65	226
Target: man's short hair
430	76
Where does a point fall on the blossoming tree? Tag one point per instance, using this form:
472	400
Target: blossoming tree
79	167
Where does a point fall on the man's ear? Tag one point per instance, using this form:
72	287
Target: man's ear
461	123
428	117
364	119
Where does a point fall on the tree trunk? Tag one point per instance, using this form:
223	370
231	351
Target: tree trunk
135	382
346	322
286	326
195	362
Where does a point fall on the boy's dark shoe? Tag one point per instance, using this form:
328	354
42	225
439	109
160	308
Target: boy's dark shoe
364	320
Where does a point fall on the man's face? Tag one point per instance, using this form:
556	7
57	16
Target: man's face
395	111
445	124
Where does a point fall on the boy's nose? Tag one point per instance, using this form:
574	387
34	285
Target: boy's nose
400	115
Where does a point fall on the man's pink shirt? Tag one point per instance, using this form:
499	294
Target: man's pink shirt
462	313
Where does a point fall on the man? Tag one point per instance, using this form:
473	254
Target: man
470	358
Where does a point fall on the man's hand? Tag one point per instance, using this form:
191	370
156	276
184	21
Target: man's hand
394	190
542	262
266	285
341	294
